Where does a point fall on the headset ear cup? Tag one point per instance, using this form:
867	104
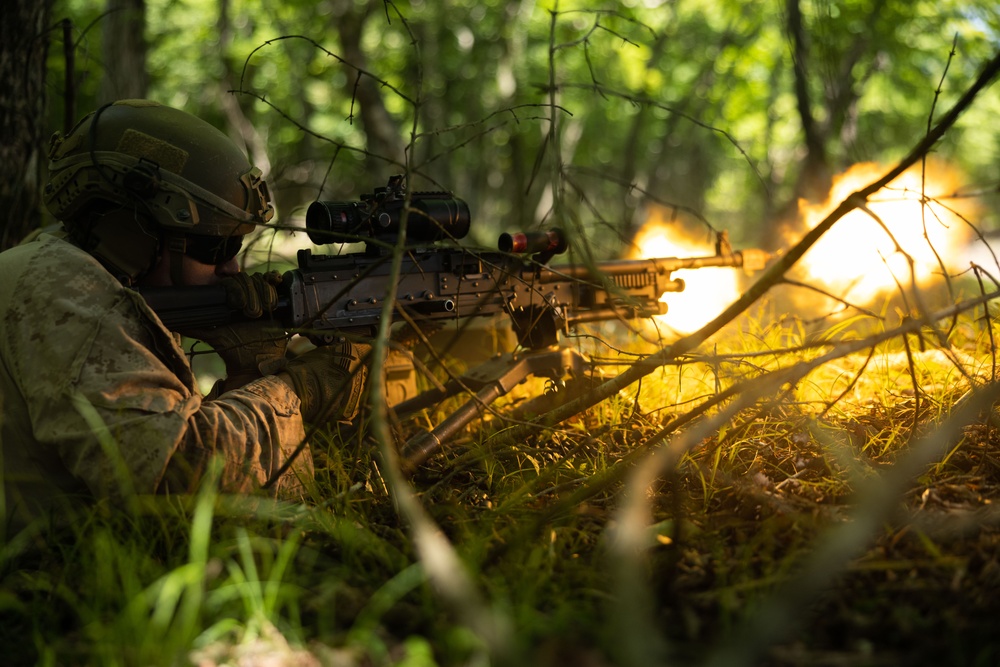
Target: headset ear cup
127	246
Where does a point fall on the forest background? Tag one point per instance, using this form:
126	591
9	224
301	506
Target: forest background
598	117
730	110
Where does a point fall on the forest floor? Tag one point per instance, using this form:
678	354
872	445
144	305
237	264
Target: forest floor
789	536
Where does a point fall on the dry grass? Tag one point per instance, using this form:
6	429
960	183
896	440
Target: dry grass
786	534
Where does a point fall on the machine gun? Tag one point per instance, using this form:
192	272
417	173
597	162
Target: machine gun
329	296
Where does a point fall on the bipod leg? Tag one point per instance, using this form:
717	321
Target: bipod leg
495	378
426	399
423	445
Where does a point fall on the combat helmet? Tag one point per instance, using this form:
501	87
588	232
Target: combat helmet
136	175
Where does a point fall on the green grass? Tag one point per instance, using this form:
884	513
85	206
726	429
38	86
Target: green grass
765	541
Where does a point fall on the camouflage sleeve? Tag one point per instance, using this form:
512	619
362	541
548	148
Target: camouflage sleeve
112	396
254	429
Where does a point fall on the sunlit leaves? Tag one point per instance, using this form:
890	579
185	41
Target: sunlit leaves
640	92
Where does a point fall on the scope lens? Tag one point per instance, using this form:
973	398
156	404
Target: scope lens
334	222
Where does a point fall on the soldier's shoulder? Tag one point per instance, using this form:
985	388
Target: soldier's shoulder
50	279
49	262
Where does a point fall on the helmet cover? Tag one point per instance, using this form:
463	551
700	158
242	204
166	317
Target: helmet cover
173	168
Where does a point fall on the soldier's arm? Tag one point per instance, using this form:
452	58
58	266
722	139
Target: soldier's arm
110	394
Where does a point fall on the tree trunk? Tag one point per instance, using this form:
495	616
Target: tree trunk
814	176
240	125
841	93
23	51
385	142
124	51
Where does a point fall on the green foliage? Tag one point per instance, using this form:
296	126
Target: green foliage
687	103
576	114
541	528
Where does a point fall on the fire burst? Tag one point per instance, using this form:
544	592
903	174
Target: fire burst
912	232
707	292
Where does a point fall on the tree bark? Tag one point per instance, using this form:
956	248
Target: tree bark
384	134
814	176
124	51
23	50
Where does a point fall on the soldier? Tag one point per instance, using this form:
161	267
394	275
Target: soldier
96	396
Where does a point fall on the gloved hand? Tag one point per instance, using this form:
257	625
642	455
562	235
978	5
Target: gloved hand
330	381
255	294
250	350
253	348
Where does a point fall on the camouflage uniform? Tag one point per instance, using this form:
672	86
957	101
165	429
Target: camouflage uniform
96	395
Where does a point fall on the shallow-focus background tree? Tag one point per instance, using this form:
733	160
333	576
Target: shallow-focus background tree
731	110
23	126
123	50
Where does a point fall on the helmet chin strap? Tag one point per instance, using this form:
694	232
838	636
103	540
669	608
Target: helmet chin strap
177	244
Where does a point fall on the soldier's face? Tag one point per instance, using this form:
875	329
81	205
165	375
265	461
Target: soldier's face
192	273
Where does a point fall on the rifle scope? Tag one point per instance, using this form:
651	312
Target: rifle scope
432	216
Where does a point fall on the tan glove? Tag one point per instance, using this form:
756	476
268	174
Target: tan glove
330	381
255	294
253	348
250	350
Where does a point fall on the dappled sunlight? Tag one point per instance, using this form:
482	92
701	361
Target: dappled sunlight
857	382
850	384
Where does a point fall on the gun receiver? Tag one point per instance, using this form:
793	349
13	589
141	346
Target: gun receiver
328	296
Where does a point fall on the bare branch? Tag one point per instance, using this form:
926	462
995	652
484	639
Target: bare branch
776	272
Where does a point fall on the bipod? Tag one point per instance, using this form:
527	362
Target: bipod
490	381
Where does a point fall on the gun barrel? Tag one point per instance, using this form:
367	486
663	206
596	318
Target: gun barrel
750	260
754	259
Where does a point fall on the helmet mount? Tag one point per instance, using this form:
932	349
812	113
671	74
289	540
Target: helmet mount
143	179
